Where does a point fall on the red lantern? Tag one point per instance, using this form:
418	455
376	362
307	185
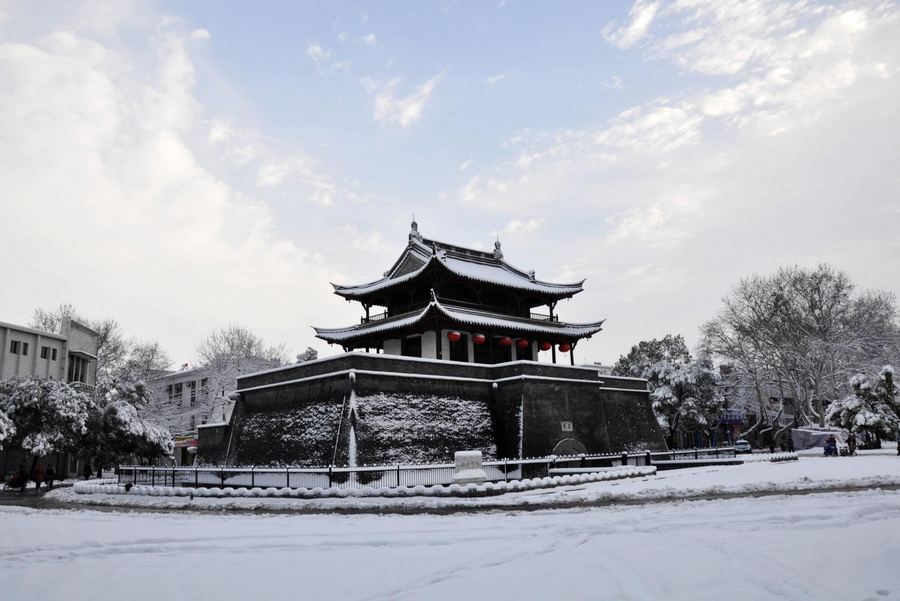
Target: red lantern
505	341
478	339
565	347
454	336
522	343
545	346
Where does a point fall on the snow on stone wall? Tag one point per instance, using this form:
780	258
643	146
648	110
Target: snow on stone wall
413	428
300	436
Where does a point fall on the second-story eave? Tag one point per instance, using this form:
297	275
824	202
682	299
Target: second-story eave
463	318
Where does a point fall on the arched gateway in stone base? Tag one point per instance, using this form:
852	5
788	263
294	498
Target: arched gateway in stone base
449	362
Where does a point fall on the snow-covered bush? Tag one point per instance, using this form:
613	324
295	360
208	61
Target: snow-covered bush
43	416
867	408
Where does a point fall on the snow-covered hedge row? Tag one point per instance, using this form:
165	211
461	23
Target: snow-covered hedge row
453	490
768	457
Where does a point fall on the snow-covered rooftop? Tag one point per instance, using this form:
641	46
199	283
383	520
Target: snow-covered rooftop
463	316
463	262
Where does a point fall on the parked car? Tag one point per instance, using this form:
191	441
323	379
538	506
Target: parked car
742	446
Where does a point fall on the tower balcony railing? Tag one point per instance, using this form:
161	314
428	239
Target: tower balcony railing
457	303
543	317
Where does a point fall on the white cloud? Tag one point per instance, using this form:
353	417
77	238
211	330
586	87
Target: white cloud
320	188
322	57
199	34
495	79
100	155
641	16
317	53
778	152
370	40
614	83
388	107
518	228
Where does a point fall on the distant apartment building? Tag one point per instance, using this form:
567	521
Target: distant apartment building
184	400
68	356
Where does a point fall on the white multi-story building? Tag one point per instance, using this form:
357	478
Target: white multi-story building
68	356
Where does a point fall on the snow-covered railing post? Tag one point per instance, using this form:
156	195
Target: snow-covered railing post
330	468
287	477
649	460
696	453
252	476
398	474
624	458
196	478
506	470
152	475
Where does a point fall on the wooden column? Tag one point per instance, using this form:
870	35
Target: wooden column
552	348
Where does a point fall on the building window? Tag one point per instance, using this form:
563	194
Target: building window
53	354
193	422
14	347
179	392
170	391
45	352
192	386
24	348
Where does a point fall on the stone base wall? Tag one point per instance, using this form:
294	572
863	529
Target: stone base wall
413	410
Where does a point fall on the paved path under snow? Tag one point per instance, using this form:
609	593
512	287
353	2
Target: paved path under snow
823	546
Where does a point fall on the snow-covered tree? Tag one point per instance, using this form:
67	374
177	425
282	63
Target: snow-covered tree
867	408
687	396
44	416
117	431
7	429
803	332
644	358
310	354
231	352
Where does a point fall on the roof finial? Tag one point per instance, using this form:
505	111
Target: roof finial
498	253
414	229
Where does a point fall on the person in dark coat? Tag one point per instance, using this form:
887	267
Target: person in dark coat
51	476
87	470
851	443
37	474
21	477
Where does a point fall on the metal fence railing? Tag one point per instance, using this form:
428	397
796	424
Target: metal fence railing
393	475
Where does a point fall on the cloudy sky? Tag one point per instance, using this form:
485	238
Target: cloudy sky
181	166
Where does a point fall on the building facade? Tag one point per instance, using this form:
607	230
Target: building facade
68	356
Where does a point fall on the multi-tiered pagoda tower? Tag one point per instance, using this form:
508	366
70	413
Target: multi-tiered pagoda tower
442	301
456	333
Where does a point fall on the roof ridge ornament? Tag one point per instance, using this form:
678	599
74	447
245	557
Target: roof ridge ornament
498	253
414	230
531	275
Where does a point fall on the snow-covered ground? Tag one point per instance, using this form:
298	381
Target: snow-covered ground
822	546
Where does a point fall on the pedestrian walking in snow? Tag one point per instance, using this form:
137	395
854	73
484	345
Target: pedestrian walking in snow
37	475
851	443
20	478
51	476
87	471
